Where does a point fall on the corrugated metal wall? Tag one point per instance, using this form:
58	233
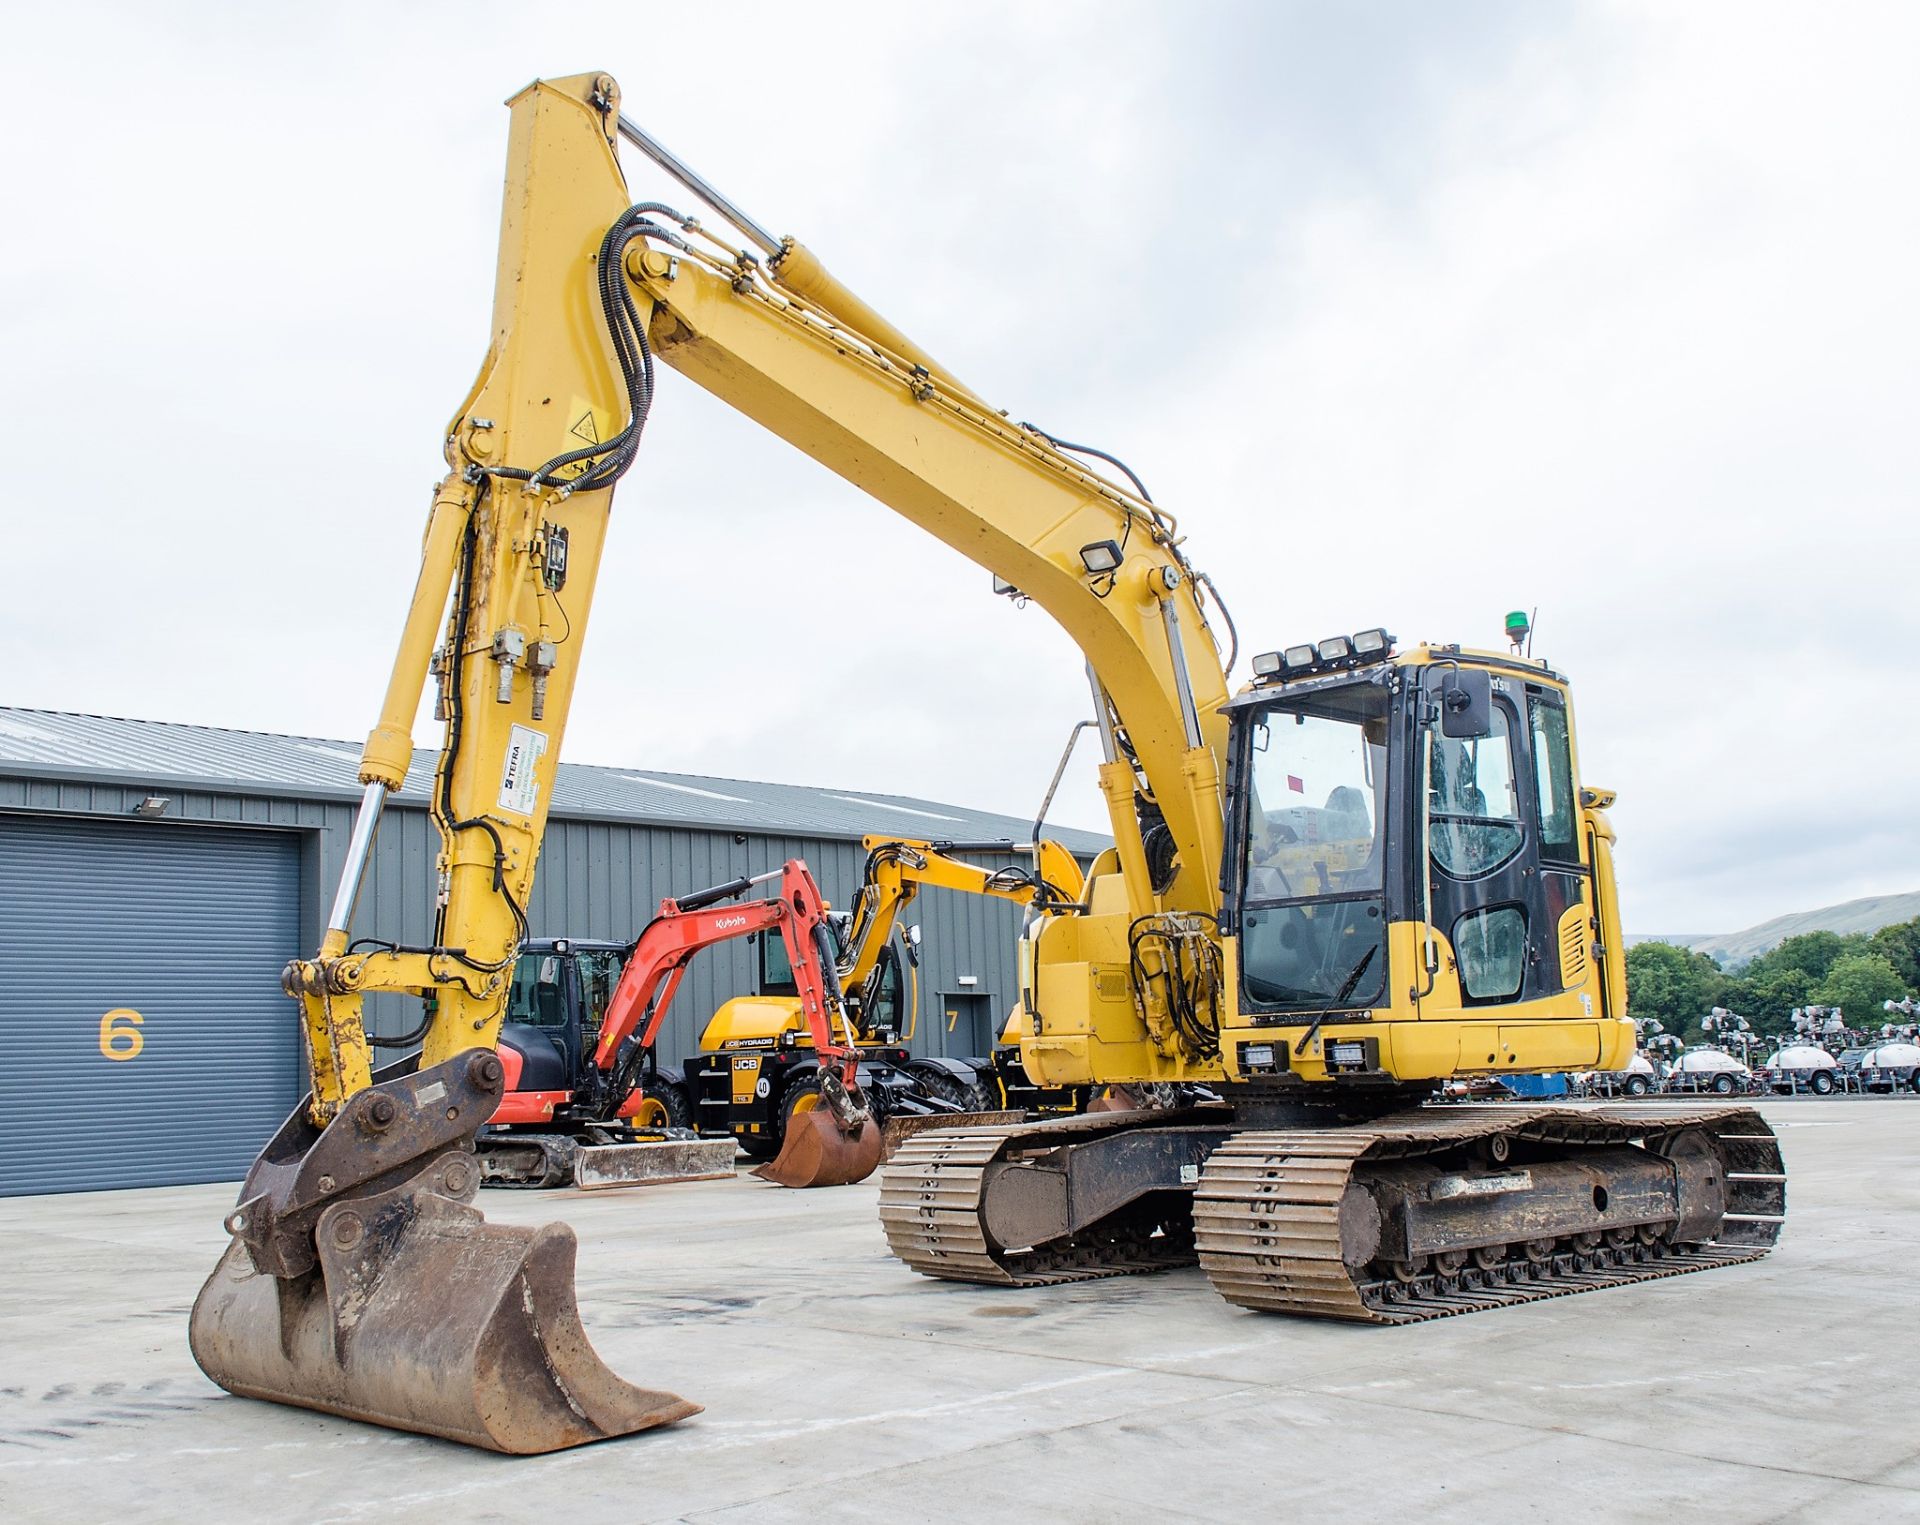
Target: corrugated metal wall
604	880
596	879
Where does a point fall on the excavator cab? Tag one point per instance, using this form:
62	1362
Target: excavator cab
878	1008
555	1003
1410	845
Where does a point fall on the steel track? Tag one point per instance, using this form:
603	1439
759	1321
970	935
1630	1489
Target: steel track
1266	1216
933	1198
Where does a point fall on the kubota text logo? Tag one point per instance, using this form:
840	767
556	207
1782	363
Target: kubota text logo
728	923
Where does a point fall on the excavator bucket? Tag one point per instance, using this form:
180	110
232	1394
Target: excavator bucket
817	1151
380	1294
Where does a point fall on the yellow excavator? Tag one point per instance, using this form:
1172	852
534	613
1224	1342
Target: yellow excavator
896	870
748	1050
1367	871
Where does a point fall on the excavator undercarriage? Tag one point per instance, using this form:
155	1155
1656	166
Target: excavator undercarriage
1412	1215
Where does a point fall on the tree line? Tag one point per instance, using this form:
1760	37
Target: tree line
1856	971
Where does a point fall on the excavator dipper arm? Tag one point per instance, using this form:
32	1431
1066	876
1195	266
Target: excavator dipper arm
359	1280
685	927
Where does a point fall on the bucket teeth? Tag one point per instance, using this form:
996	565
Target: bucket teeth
423	1316
818	1152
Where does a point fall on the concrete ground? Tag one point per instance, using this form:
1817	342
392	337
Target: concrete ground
840	1387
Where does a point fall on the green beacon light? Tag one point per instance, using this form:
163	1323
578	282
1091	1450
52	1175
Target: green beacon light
1519	627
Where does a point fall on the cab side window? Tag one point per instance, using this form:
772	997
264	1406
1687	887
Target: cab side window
599	974
1471	798
776	970
886	1009
1553	781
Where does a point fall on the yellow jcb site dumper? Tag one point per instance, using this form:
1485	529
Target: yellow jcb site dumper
1362	874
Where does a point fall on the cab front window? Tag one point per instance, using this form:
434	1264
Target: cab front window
1313	923
600	970
536	996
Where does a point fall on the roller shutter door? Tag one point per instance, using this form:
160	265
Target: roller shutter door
188	928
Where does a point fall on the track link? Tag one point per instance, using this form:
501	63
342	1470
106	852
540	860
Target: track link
933	1196
1267	1215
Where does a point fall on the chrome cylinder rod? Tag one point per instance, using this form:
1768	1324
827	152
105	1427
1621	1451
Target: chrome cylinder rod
651	146
1103	712
1182	679
366	821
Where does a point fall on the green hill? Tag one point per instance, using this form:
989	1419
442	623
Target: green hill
1869	914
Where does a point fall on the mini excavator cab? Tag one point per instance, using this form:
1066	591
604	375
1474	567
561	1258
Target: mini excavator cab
558	998
878	1007
1410	844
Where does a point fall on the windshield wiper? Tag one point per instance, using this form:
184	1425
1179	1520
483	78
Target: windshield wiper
1345	991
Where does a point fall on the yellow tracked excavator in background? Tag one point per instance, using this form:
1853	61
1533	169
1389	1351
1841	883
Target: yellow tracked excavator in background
897	870
1366	872
747	1048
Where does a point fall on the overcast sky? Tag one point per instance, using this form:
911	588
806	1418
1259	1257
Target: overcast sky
1412	313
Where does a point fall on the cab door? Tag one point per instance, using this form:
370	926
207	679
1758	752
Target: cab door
1508	888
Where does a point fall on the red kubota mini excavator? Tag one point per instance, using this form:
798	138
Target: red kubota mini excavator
576	1105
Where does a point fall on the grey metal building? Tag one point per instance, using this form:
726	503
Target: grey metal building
155	877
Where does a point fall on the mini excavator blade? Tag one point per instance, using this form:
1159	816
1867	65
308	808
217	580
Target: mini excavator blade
653	1162
818	1151
361	1283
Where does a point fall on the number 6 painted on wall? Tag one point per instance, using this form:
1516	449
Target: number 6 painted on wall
120	1035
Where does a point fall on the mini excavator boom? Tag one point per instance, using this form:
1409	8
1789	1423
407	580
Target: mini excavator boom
535	1137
